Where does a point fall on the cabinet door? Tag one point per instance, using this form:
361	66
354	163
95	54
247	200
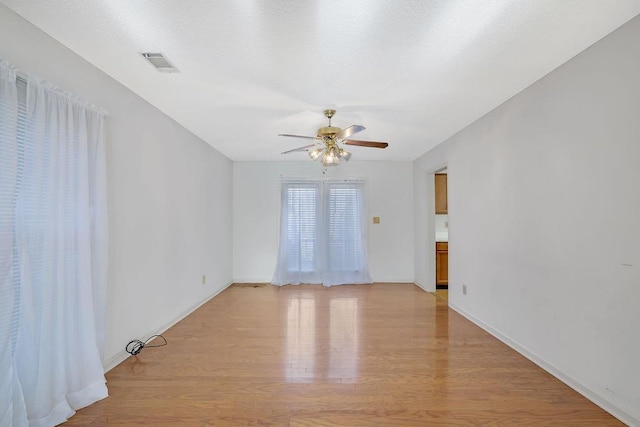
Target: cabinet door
441	193
442	263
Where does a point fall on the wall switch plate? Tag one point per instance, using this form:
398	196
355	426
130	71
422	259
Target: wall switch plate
204	279
464	289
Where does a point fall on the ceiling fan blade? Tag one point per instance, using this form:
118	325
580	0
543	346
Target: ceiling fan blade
297	136
303	148
372	144
346	133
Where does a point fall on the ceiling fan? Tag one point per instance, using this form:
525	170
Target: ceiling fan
326	146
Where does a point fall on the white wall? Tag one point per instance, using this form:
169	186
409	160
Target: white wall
256	206
544	209
423	203
169	194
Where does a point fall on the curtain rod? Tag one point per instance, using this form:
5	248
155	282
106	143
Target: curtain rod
24	79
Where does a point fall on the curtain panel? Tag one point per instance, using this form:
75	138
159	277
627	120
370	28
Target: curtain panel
322	233
10	400
54	216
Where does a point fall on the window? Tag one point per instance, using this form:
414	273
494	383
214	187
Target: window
345	228
52	251
322	233
302	203
21	85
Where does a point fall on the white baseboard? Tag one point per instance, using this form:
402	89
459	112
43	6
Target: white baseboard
245	281
121	356
424	288
608	406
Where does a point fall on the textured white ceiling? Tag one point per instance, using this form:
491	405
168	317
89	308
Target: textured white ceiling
412	72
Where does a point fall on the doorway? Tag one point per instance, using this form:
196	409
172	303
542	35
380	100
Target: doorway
441	231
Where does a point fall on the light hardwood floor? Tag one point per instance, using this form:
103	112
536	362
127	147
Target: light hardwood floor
442	294
359	355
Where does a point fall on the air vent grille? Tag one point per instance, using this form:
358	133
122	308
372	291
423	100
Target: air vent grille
160	62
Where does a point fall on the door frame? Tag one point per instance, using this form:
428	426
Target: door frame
431	226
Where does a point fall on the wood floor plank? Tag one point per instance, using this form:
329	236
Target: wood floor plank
360	355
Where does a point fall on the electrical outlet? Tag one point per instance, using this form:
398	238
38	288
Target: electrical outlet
464	289
204	279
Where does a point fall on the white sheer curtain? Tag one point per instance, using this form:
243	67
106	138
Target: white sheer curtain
322	234
346	221
299	257
9	394
57	264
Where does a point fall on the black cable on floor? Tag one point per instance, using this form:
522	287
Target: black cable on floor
135	346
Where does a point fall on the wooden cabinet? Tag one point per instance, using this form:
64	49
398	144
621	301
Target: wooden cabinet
442	264
441	193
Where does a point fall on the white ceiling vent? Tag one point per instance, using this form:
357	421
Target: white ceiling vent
160	62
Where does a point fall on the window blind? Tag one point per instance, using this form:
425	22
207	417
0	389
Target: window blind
345	231
302	221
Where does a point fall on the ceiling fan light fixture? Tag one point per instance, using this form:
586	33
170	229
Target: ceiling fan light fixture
315	154
330	158
328	142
